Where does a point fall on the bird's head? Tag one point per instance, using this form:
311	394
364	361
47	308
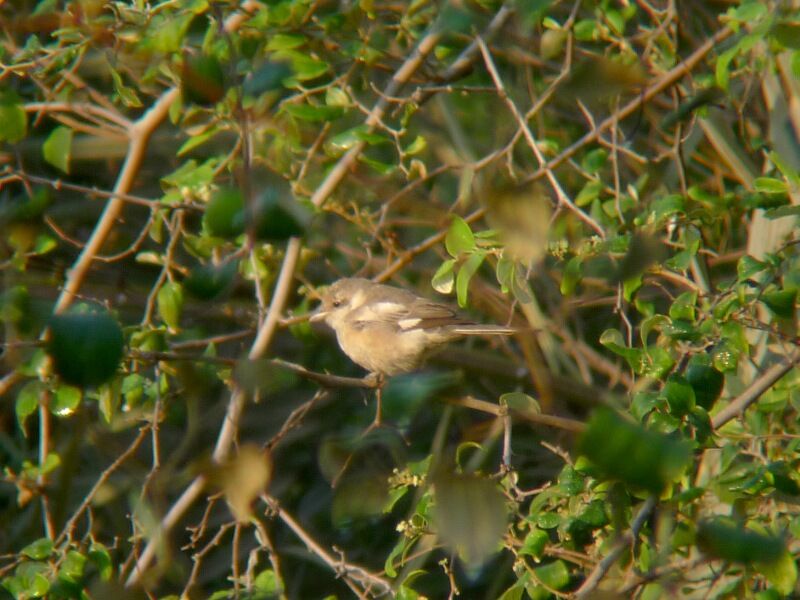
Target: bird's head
340	299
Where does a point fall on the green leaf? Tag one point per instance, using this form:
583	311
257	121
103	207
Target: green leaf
520	402
382	168
285	41
554	576
658	361
465	273
202	80
170	304
444	279
57	148
679	395
504	272
101	558
224	216
44	244
637	359
781	302
470	515
534	543
726	357
783	211
13	119
196	140
267	582
277	214
51	462
749	266
683	306
667	206
571	481
72	567
626	451
459	238
770	185
336	96
723	538
722	69
208	282
781	573
39	550
86	347
706	381
268	78
589	193
418	145
27	402
787	34
66	400
126	95
573	272
313	114
304	66
594	160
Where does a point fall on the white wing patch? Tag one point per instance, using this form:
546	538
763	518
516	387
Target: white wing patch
408	323
381	311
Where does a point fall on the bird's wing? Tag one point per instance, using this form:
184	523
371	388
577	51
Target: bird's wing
424	314
413	313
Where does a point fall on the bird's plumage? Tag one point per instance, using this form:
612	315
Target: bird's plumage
389	330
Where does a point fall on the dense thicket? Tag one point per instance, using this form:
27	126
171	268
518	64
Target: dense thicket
616	180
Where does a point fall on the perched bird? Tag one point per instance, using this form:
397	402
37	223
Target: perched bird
389	330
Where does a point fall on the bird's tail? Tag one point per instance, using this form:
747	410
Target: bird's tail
478	329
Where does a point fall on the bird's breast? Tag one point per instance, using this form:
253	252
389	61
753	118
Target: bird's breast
380	348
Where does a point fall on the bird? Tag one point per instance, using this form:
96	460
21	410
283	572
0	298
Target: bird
389	330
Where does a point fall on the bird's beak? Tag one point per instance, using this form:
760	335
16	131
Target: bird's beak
318	316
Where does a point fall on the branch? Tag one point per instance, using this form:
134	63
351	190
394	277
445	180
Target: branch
597	574
665	81
538	418
70	525
139	133
369	581
526	131
753	392
261	343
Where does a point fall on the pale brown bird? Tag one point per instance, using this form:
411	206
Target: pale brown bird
389	330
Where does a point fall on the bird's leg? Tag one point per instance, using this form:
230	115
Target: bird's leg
377	422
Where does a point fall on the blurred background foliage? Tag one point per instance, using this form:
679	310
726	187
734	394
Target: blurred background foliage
616	179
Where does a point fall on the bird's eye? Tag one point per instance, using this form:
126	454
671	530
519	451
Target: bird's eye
337	303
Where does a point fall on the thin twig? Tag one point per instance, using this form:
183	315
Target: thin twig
370	582
69	526
753	392
663	82
597	574
538	418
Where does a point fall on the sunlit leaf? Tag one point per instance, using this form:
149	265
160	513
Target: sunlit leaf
57	148
169	301
242	478
459	238
13	120
470	515
465	273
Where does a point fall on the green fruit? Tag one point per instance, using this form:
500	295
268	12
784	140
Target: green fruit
207	282
224	216
86	348
705	380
